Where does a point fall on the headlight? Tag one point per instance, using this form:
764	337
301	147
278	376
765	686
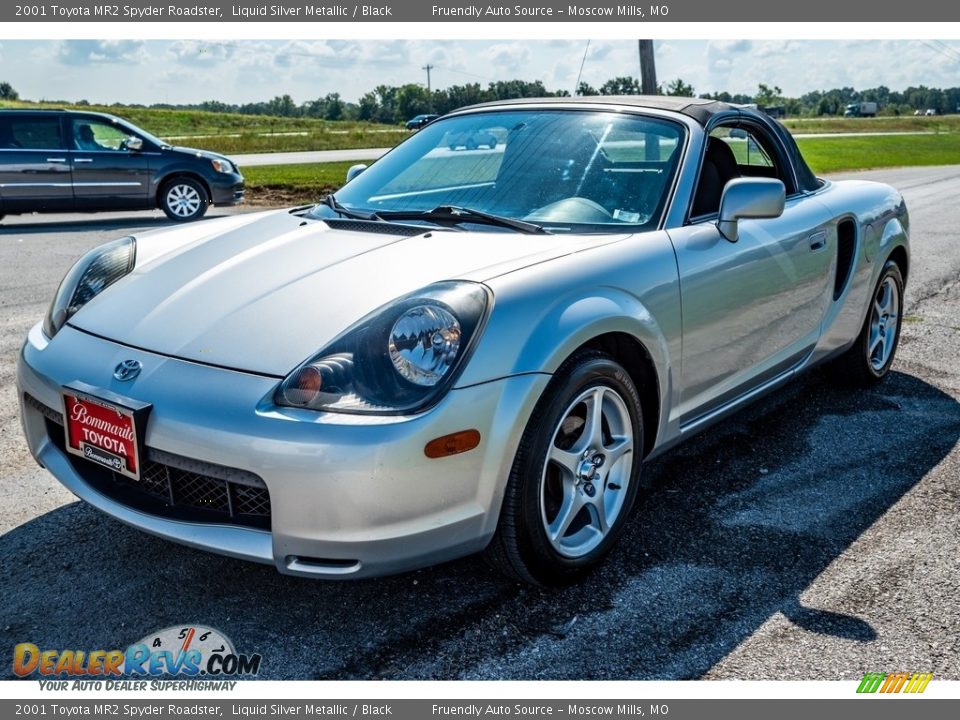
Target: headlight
399	359
221	166
92	274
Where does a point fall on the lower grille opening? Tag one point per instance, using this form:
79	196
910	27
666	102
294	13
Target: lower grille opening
172	486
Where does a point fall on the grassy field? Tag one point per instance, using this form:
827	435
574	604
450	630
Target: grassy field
290	184
903	123
825	155
293	184
235	133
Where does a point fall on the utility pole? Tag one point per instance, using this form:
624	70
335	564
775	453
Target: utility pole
648	70
428	67
648	86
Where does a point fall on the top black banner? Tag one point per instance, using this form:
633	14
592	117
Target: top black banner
528	11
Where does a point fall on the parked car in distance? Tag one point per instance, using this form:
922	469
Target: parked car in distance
419	121
78	161
472	140
462	351
930	112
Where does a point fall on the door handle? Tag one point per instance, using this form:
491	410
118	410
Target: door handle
818	241
56	159
80	160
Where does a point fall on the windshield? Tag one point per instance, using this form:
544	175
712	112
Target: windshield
564	170
134	130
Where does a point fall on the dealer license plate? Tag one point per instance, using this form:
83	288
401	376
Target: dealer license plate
107	432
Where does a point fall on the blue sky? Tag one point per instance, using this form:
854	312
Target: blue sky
182	71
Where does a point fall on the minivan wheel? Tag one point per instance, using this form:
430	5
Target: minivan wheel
184	199
575	475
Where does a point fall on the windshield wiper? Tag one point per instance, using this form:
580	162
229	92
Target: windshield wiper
457	214
331	202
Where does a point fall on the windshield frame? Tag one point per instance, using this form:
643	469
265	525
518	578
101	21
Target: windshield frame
685	130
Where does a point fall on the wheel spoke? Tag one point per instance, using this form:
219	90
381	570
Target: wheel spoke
565	459
598	515
874	342
568	511
621	446
593	428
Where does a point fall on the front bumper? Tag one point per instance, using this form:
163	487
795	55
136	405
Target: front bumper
350	496
227	189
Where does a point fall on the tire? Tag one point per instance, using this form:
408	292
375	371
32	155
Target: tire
869	359
184	199
571	488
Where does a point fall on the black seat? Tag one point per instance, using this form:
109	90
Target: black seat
719	168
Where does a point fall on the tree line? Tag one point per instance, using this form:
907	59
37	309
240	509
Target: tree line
391	104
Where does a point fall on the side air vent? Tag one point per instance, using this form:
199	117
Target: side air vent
846	246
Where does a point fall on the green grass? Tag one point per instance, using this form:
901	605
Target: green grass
903	123
293	184
237	133
826	155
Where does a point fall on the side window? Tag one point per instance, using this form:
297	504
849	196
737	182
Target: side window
91	135
732	152
746	149
34	133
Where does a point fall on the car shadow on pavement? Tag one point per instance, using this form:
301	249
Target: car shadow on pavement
138	221
736	525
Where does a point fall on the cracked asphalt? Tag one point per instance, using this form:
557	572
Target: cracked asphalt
814	536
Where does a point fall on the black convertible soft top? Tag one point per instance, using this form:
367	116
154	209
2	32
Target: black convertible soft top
701	110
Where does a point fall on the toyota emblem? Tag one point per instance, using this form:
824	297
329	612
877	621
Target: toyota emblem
127	370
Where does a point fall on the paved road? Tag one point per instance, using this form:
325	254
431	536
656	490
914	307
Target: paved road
313	156
814	537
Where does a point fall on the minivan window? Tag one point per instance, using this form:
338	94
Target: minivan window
34	133
91	135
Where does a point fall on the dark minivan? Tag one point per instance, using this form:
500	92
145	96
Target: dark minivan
73	161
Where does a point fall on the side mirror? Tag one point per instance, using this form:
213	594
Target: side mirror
749	198
354	171
134	143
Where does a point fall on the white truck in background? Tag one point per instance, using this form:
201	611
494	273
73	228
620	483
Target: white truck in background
861	109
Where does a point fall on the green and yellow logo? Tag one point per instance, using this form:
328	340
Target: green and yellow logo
894	682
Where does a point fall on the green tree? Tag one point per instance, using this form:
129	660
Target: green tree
767	95
7	92
677	87
621	86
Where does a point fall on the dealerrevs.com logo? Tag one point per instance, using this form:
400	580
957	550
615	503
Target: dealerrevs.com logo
190	651
901	682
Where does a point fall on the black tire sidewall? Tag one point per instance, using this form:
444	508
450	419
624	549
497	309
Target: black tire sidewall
539	555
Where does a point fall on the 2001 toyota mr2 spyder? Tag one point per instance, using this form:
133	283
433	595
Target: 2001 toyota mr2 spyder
461	350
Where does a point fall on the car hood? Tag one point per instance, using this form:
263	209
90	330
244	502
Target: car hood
198	153
262	293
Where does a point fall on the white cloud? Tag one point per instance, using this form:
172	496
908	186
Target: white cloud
93	52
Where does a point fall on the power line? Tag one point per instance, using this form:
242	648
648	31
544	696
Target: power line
576	88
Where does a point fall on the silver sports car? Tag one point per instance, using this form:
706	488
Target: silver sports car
462	350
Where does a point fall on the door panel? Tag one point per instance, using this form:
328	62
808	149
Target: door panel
105	173
34	167
751	309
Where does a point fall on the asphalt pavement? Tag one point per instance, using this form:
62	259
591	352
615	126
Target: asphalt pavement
814	536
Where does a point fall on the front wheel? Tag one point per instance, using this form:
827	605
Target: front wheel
184	199
868	361
575	476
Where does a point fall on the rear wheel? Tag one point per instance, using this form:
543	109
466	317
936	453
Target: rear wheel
575	476
184	199
869	359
